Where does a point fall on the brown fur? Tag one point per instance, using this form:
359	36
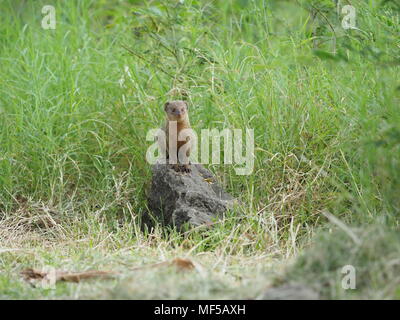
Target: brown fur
178	111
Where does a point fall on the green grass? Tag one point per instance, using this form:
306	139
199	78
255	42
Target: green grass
73	174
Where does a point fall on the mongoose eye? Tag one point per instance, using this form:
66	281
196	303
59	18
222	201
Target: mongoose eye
173	110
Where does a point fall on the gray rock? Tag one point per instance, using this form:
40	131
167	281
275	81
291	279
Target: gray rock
294	291
195	198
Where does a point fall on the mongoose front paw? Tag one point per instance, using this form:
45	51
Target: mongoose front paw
185	168
176	167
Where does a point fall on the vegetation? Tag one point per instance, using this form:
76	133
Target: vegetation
77	102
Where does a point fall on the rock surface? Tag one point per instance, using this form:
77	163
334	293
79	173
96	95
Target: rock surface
195	198
293	291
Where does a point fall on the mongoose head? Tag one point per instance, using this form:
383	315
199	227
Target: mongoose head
176	110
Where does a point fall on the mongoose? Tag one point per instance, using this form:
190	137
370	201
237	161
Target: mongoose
177	111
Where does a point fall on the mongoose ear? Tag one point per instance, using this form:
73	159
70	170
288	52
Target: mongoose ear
186	104
166	106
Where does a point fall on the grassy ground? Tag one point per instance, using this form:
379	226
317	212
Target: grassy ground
75	107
